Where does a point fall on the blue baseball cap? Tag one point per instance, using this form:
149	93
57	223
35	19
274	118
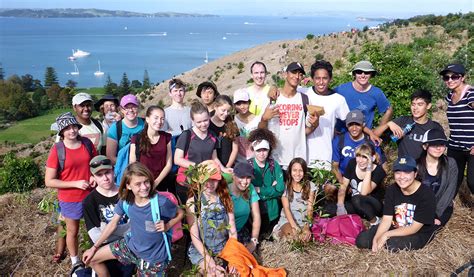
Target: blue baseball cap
406	164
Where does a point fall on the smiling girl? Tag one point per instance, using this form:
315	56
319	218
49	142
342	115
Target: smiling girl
154	146
145	246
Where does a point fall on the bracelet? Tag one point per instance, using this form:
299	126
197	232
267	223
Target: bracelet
255	241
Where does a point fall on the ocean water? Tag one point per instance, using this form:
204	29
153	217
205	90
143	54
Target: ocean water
163	46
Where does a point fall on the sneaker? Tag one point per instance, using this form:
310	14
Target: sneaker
80	270
377	221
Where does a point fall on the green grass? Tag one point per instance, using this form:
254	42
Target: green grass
97	91
31	130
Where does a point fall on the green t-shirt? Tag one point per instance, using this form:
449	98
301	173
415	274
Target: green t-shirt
242	207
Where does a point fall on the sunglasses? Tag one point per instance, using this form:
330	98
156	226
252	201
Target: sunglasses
453	77
359	72
102	162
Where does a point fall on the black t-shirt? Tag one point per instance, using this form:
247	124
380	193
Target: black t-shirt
411	143
420	206
199	150
432	182
98	211
355	183
223	143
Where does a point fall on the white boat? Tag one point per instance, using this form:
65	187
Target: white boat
206	60
76	70
99	72
71	58
79	53
224	38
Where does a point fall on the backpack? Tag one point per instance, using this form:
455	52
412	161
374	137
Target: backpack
175	233
98	125
271	164
123	155
340	229
61	151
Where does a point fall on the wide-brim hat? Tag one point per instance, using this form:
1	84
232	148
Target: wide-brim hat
365	66
107	97
435	137
207	84
65	120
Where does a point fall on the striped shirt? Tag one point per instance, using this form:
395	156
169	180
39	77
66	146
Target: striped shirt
461	121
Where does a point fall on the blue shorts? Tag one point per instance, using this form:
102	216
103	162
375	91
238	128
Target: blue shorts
72	210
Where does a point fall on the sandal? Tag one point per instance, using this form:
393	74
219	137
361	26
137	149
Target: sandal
58	258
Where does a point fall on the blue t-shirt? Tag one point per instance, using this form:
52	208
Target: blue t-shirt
145	241
127	132
364	101
344	155
242	207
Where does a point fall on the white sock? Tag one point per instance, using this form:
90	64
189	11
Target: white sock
74	260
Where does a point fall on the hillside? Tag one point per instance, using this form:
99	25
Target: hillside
87	13
336	48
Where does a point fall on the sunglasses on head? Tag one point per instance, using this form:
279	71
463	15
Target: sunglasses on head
359	72
102	162
453	77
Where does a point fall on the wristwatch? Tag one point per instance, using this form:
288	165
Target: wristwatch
254	240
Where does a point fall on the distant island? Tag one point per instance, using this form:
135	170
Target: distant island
88	13
380	19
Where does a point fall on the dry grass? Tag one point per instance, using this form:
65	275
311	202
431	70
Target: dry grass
28	237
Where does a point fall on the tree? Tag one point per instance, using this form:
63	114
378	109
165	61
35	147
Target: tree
110	87
124	87
146	80
2	72
50	77
65	96
136	84
38	95
28	82
53	94
71	83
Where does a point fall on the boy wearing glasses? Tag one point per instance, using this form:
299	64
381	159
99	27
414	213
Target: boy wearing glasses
361	95
411	143
99	209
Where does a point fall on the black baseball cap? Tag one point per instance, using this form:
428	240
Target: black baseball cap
295	66
454	68
435	137
242	170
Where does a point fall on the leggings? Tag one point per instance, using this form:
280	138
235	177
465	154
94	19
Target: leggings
411	242
366	206
463	159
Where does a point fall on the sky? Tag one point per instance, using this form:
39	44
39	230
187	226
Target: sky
373	8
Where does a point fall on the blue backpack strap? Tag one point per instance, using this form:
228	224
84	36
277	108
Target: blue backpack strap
121	163
155	213
125	207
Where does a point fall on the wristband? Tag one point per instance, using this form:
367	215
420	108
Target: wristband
254	240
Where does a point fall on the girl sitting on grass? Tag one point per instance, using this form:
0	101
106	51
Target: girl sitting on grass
364	177
216	225
145	246
297	200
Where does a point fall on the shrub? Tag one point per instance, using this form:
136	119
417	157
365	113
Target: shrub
319	56
309	36
19	174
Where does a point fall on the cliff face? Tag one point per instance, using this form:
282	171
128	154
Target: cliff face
335	48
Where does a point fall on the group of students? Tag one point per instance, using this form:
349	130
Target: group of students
258	163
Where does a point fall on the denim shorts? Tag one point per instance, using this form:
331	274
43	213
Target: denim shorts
125	256
72	210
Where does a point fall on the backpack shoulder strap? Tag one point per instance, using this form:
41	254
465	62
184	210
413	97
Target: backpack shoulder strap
61	151
188	134
155	212
125	207
271	165
89	145
305	100
119	130
340	143
98	125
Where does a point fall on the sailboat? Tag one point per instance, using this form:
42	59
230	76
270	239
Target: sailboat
206	60
76	70
98	72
